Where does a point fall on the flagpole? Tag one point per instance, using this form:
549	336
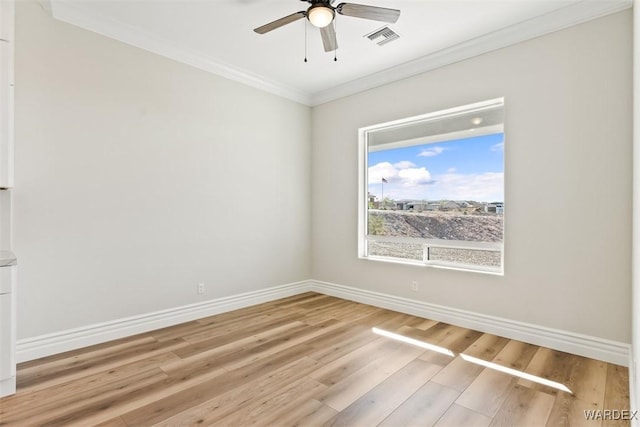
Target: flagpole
382	191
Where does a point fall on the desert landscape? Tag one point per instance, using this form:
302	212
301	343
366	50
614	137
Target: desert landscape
452	225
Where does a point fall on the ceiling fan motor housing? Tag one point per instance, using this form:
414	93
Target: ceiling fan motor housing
320	14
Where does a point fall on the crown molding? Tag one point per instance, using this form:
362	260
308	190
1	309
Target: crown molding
66	12
565	17
573	14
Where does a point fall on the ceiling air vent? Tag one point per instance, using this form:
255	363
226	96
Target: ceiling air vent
382	36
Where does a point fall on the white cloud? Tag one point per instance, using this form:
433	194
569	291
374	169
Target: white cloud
403	173
405	164
451	170
415	176
431	152
497	147
382	170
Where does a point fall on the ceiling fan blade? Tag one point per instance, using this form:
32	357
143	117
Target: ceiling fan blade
280	22
329	40
368	12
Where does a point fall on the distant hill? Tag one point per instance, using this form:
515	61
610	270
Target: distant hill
437	225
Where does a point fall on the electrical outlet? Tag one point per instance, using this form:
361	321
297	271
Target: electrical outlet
414	286
201	288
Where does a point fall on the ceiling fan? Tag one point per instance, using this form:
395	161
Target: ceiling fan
321	14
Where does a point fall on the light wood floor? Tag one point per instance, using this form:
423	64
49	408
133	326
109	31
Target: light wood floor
311	360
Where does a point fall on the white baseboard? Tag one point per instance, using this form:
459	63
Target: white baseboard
7	386
71	339
582	345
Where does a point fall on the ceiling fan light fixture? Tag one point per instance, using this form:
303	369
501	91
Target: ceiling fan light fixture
320	15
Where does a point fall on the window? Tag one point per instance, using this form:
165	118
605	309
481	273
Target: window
432	189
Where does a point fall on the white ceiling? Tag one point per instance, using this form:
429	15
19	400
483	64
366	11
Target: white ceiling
217	36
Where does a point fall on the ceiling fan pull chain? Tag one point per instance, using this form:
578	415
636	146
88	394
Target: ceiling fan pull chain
335	51
305	40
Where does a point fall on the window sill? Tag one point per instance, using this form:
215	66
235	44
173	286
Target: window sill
463	268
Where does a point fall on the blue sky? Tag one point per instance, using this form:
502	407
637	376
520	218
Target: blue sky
462	169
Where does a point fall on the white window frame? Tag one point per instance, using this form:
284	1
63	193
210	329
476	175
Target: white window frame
363	187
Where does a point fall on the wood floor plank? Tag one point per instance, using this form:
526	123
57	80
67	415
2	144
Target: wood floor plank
459	373
295	300
556	366
380	318
279	402
425	324
84	386
586	378
348	390
490	388
424	408
320	301
437	358
487	392
446	336
71	355
185	398
339	342
265	307
525	407
306	413
181	330
105	408
486	347
397	321
88	365
113	422
568	411
356	313
459	416
332	372
249	350
378	403
252	334
616	395
255	322
79	405
516	355
276	345
236	398
31	371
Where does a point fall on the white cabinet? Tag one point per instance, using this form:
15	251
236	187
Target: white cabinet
6	92
7	330
6	242
6	124
7	259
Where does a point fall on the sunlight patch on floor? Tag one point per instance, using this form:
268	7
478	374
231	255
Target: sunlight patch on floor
471	359
413	341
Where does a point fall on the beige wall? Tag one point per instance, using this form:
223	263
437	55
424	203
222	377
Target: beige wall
568	181
138	177
635	396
